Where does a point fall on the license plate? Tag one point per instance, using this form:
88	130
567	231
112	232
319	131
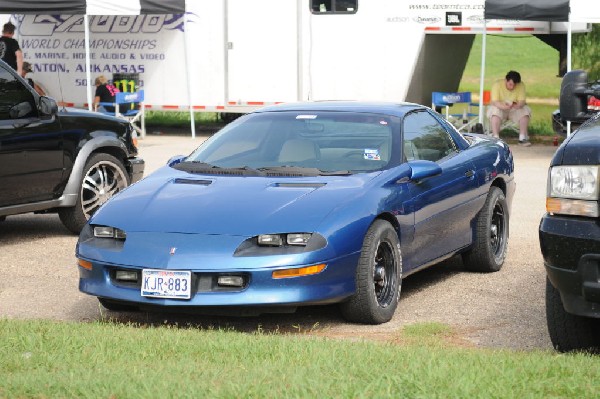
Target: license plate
166	283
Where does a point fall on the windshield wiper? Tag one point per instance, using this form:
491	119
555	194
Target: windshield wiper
336	172
204	167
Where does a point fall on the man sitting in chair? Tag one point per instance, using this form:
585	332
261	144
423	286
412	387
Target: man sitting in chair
508	102
105	93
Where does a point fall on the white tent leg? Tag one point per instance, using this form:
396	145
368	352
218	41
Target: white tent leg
481	83
88	66
188	75
569	62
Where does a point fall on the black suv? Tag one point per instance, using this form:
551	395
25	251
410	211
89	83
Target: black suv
70	162
570	230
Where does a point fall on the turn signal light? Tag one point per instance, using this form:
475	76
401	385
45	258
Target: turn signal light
299	272
85	264
575	207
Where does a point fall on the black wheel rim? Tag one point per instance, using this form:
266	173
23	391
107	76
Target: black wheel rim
498	230
101	183
384	274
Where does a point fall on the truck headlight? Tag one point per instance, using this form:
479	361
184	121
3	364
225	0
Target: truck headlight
574	190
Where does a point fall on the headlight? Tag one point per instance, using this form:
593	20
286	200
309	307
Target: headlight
280	244
576	182
109	232
277	240
574	190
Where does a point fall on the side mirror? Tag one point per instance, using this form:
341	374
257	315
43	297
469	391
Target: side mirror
422	169
573	101
48	106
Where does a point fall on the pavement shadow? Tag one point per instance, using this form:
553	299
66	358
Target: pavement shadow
304	320
29	227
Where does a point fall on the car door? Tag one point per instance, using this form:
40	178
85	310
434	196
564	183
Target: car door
31	153
442	204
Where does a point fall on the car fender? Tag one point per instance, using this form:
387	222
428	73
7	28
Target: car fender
102	140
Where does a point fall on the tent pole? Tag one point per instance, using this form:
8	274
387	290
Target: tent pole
188	74
569	61
88	66
481	83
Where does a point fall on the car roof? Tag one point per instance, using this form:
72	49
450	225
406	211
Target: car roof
388	108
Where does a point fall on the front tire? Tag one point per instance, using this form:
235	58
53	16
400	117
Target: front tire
103	177
569	332
491	235
378	277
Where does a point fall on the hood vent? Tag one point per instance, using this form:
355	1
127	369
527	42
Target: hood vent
193	181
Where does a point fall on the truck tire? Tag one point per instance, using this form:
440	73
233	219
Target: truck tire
103	177
569	332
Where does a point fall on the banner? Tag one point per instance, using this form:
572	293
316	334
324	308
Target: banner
149	47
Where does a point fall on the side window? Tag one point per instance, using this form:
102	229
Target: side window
334	6
16	101
425	138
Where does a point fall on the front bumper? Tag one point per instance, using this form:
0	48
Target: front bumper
136	169
332	285
571	250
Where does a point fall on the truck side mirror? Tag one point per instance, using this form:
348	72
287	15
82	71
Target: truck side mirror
573	101
48	106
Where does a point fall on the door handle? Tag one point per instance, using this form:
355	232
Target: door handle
469	173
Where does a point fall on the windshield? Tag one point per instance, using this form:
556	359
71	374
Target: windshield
327	142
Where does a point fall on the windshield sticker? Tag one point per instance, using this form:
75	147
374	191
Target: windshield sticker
383	122
372	154
306	117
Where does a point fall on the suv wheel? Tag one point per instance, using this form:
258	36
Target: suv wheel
103	177
569	332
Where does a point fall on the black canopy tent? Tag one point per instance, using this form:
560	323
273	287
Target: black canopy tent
532	10
99	7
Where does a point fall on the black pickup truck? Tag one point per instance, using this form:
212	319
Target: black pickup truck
68	161
570	230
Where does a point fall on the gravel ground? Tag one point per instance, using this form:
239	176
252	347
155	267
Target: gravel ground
501	310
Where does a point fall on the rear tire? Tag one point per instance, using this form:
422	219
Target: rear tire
103	177
491	235
378	277
569	332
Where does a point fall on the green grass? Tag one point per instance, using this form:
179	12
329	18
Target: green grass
109	360
179	118
536	61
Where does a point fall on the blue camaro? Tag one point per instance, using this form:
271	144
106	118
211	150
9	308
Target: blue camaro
303	204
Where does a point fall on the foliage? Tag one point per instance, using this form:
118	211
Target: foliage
586	52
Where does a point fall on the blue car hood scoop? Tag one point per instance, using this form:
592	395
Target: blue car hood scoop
231	205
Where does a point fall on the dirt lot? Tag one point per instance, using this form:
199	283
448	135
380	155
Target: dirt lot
38	276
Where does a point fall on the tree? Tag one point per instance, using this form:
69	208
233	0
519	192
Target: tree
586	52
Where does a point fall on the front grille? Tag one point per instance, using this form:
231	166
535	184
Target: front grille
201	282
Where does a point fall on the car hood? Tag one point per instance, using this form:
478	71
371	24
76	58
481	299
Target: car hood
178	202
581	148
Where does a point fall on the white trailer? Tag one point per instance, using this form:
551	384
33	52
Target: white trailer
237	55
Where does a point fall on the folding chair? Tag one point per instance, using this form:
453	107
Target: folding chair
464	120
130	106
